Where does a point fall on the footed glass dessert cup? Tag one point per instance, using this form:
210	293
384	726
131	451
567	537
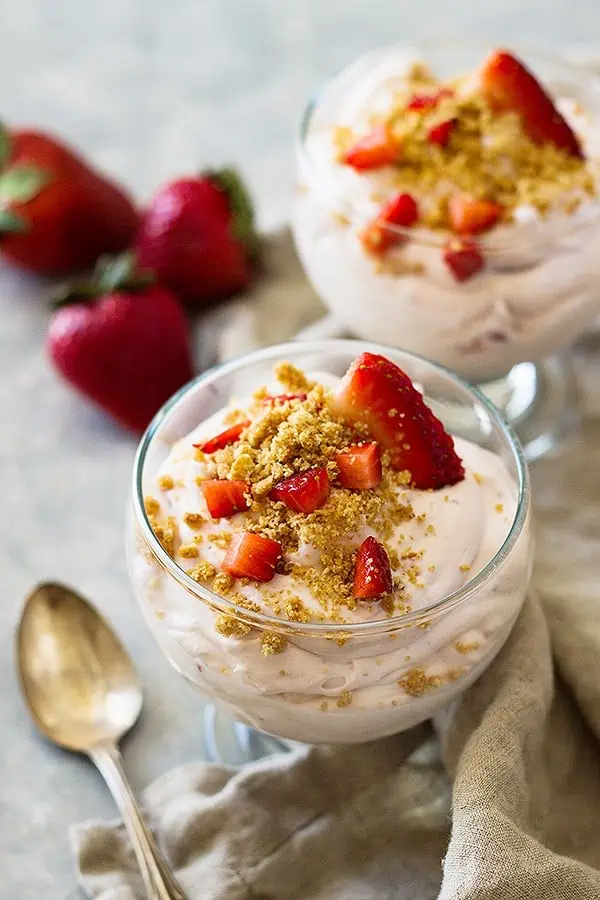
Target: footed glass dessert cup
496	288
373	671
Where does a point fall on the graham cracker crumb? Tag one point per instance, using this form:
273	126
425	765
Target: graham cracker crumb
188	551
340	219
166	483
193	520
220	539
465	567
324	706
271	642
230	627
292	378
464	648
345	699
204	571
478	478
416	682
499	507
152	506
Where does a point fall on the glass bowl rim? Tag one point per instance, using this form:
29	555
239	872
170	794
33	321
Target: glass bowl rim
330	630
426	236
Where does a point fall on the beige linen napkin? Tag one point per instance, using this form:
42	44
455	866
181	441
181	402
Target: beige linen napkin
501	802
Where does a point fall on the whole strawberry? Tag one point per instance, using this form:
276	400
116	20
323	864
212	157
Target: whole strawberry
122	341
57	215
198	237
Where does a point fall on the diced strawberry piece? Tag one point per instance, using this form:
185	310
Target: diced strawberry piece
440	134
303	492
280	399
229	436
470	216
377	393
510	87
401	210
464	259
372	572
420	102
224	498
377	149
252	556
360	466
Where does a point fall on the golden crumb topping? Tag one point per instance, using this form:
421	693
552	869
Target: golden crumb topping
287	435
487	154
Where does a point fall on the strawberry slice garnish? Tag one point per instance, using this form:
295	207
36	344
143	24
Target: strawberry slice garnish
428	101
303	492
401	210
372	572
360	466
252	556
378	148
440	134
224	439
463	258
224	498
377	393
470	216
280	399
510	87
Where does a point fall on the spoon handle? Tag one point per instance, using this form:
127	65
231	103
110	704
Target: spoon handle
159	881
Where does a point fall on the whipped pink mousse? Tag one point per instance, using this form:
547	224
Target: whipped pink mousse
458	219
335	506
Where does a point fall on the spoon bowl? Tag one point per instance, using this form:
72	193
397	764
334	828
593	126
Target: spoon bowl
77	678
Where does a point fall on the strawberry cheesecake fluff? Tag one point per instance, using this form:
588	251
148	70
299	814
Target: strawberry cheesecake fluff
323	557
455	215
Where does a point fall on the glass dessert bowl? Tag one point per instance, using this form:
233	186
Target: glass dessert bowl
457	216
296	571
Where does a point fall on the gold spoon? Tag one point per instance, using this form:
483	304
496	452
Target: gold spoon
84	694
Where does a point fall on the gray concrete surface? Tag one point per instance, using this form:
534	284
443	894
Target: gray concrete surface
149	89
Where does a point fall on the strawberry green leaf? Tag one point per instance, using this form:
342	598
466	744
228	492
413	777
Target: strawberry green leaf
230	181
21	184
111	274
121	273
5	145
11	223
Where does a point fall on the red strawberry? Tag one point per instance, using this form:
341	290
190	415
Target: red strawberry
225	498
372	572
122	341
57	215
224	439
377	149
440	134
198	237
303	492
428	101
463	258
470	216
509	86
252	556
377	393
360	466
401	210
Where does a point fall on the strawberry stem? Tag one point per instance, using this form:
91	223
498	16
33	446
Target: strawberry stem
230	181
5	145
110	275
12	223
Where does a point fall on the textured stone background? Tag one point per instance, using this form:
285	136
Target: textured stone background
149	89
